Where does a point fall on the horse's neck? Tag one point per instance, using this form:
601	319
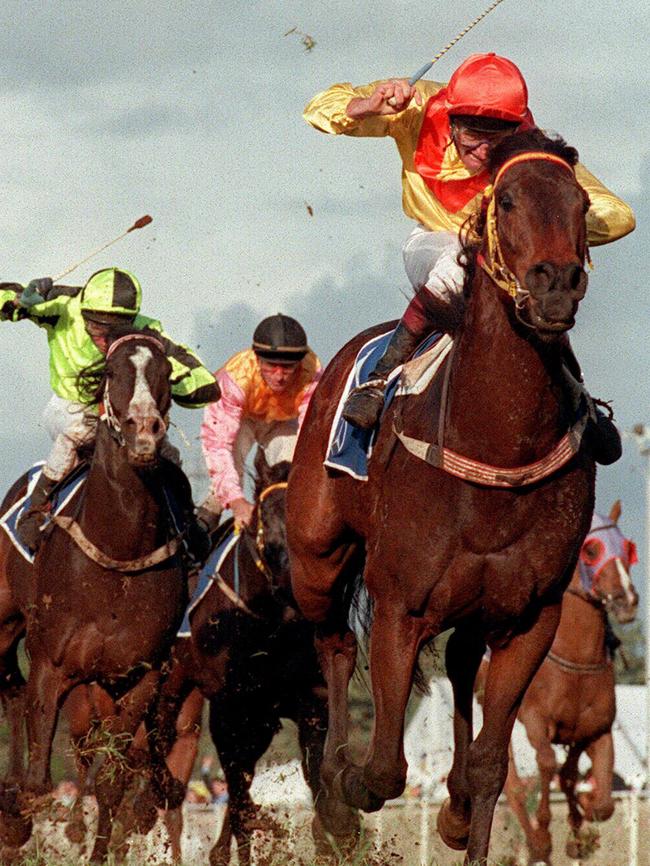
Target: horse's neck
120	513
504	407
580	636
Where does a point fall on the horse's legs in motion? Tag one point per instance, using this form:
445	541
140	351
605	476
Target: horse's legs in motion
12	692
512	667
114	772
540	841
463	654
599	805
515	792
241	735
568	781
180	762
332	816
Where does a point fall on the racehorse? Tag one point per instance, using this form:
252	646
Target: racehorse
571	700
107	588
252	655
479	530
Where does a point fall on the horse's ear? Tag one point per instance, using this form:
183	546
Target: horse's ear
262	467
615	513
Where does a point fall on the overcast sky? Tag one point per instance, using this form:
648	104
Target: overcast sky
192	112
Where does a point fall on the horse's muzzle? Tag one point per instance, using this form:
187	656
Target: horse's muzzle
555	293
143	435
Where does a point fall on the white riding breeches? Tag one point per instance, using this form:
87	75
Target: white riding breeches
431	260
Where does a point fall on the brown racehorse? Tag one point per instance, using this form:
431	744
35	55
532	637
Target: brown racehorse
252	655
107	590
488	550
571	701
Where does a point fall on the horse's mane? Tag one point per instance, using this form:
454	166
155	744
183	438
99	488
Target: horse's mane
91	380
471	233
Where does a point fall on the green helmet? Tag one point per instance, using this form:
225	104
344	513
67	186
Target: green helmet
110	295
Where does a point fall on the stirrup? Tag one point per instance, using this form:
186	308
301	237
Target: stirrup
364	404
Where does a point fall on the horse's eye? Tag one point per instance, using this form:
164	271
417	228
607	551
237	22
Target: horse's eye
505	201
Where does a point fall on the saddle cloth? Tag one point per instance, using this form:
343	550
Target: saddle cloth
350	448
227	539
62	495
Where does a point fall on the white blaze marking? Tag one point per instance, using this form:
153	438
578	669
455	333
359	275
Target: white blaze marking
142	402
626	583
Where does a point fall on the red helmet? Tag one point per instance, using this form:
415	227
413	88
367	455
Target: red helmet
487	85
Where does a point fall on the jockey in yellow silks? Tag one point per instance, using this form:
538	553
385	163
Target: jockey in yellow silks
77	320
265	391
444	134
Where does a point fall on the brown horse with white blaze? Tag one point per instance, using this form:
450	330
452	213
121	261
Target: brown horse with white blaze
107	589
451	535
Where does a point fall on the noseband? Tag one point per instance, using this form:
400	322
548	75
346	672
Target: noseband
494	265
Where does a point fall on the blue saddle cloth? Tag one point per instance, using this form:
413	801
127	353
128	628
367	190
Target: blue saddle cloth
61	496
211	568
349	448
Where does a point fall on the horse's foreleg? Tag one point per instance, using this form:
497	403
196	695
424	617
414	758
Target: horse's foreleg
539	841
332	817
568	782
111	779
241	733
463	654
46	688
599	806
395	639
181	761
516	796
511	669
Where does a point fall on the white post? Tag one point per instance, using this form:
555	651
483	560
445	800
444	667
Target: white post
641	433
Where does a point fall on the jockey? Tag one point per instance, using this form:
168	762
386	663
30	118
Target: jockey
444	135
77	321
264	395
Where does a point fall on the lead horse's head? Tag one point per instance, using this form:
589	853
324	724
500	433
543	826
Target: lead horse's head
533	232
137	395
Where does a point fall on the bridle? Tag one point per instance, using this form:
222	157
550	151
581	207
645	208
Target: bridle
494	263
257	548
109	415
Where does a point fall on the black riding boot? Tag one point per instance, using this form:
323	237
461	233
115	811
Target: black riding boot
365	402
601	436
29	525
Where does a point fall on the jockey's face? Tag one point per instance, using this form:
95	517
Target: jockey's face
474	147
98	333
279	377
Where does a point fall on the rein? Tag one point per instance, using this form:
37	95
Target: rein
256	550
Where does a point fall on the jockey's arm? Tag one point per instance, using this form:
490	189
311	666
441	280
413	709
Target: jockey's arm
219	430
609	217
327	111
193	385
45	313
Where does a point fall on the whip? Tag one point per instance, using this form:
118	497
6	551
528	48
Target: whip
427	66
138	224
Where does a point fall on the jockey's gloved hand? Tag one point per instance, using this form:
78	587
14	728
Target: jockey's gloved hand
35	292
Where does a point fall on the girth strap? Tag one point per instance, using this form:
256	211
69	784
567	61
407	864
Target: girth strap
166	551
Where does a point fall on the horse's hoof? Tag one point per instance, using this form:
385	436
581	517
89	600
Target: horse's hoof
583	844
453	831
170	795
349	787
340	839
15	830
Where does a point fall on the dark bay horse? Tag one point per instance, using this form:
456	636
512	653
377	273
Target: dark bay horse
571	700
252	655
107	589
480	531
